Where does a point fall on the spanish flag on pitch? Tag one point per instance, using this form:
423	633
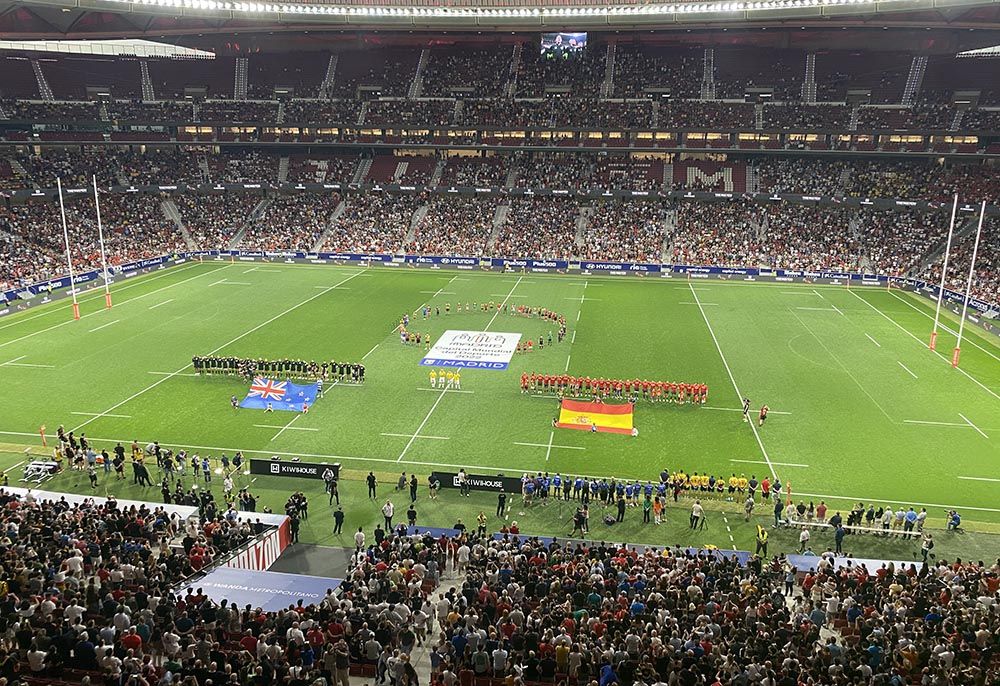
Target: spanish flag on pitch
574	414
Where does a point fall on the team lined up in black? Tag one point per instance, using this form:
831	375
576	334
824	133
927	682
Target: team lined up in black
344	372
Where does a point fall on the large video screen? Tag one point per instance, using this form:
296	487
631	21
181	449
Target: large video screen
563	45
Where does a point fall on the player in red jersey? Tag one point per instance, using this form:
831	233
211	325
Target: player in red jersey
524	382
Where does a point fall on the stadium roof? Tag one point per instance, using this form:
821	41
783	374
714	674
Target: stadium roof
130	48
134	18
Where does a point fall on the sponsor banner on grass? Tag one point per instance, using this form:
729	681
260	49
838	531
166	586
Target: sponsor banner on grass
472	350
270	591
479	482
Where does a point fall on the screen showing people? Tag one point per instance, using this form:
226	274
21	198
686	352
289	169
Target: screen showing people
563	45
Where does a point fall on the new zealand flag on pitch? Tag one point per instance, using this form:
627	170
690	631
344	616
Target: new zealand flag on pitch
280	395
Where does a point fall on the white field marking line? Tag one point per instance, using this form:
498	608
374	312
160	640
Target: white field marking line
801	292
780	464
447	390
286	426
330	288
27	364
817	309
583	299
907	369
420	428
365	356
566	368
578	316
844	367
102	326
227	282
252	269
873	340
125	287
739	396
573	337
13	361
547	445
153	307
500	295
837	309
736	409
944	326
923	344
94	414
957	425
283	428
433	438
487	467
509	293
980	431
216	283
964	478
91	314
693	303
548	450
212	352
438	292
172	374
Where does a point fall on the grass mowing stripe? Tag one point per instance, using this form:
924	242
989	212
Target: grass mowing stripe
924	345
739	396
844	367
91	314
84	300
212	352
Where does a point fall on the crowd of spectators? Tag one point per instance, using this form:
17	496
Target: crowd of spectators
409	112
375	223
235	111
896	242
214	220
806	237
248	166
306	169
475	171
67	112
706	114
801	116
986	279
917	118
532	611
322	112
454	226
542	227
625	232
159	111
676	73
553	170
581	73
800	176
482	73
73	165
101	590
723	233
290	222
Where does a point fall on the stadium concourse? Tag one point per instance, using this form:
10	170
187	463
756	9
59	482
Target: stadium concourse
636	149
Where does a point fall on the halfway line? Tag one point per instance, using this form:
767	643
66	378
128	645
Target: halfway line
729	371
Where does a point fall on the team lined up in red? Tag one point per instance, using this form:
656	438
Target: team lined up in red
584	386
